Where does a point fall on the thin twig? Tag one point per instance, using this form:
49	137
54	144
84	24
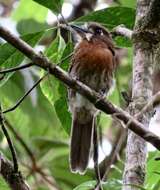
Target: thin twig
105	165
154	101
122	31
25	95
95	158
10	144
116	149
16	68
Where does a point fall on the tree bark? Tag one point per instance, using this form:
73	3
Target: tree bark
136	151
15	181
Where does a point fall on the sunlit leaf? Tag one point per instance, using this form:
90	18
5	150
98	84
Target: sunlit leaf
3	184
152	167
30	10
157	185
53	5
86	186
53	89
128	3
114	16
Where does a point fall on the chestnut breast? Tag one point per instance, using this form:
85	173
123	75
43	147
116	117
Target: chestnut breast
93	56
93	64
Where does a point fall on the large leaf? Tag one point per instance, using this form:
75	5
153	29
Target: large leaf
53	89
53	5
30	10
3	184
153	166
11	57
63	114
156	186
111	17
27	26
50	85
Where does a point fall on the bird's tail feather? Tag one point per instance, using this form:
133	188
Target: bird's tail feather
81	138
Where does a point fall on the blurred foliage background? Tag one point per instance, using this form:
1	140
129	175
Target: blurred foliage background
42	121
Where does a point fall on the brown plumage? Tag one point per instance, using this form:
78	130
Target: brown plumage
93	64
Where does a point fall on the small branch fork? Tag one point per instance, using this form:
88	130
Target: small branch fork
121	30
15	181
11	173
90	94
34	167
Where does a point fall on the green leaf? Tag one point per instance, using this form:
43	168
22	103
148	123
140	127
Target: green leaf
86	186
152	167
53	5
111	17
122	41
43	142
156	186
52	88
64	177
67	52
11	57
27	26
55	51
128	3
110	184
50	85
3	184
63	114
30	10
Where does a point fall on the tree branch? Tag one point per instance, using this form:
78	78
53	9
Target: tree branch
34	166
9	141
90	94
121	30
16	182
152	18
105	165
144	41
10	172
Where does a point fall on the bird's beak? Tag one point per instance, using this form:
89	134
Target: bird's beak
83	33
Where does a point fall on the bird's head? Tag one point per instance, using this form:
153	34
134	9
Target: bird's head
92	30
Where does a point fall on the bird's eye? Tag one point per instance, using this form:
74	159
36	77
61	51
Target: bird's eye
98	31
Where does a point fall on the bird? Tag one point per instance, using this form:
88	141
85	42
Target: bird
93	63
